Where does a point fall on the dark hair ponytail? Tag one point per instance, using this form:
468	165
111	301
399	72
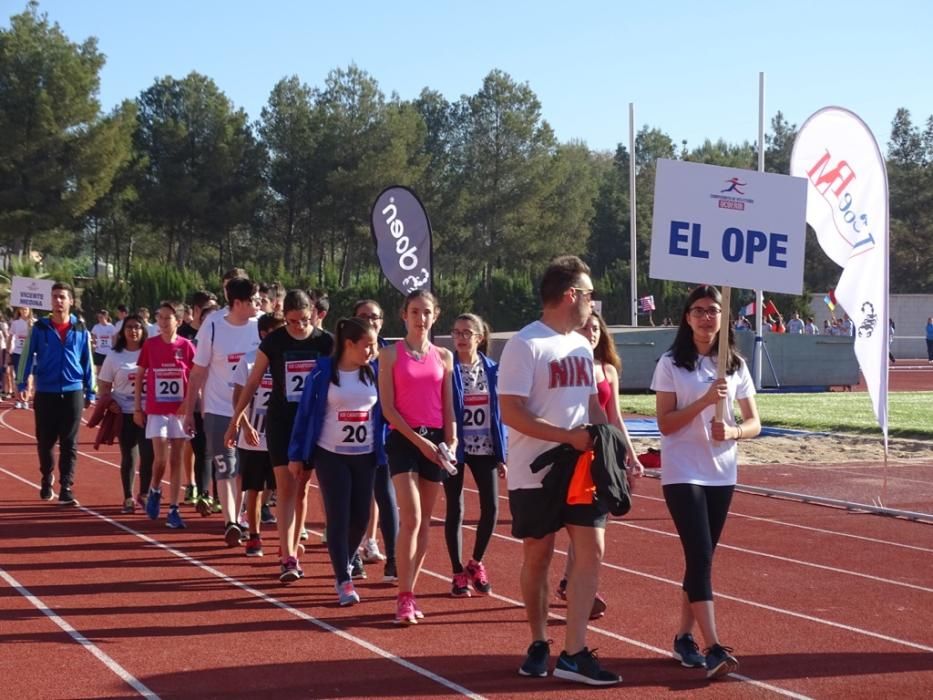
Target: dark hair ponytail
480	327
351	329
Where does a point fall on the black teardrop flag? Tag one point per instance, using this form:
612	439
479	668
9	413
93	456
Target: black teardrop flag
402	233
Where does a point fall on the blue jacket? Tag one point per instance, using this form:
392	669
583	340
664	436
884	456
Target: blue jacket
496	429
60	367
309	419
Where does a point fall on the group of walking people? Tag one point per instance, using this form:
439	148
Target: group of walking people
387	427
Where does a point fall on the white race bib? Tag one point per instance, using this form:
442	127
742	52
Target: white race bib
356	434
261	404
476	414
296	374
169	385
233	359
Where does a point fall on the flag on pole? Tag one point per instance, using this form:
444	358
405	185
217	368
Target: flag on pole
830	300
847	206
646	304
770	309
748	309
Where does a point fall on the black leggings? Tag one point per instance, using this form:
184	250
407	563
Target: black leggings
346	483
134	447
699	514
487	483
384	493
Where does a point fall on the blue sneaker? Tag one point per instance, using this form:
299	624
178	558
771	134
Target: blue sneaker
687	652
153	503
536	662
720	661
583	667
346	594
174	520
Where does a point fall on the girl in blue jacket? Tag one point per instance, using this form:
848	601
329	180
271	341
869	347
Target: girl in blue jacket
338	429
482	448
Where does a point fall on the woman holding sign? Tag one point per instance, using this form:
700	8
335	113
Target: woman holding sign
698	472
290	353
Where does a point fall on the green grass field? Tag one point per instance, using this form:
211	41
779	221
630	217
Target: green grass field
910	413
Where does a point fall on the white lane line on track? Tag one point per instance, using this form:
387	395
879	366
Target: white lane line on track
88	645
404	663
810	528
777	557
772	521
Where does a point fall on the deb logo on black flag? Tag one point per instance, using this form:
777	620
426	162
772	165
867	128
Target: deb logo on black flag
402	234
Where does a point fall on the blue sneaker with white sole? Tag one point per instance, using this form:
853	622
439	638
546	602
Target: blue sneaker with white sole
687	652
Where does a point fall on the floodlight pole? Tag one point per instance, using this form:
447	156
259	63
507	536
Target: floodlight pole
759	294
631	213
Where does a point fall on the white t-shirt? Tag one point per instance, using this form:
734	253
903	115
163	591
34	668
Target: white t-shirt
20	330
258	406
554	373
691	456
221	356
120	370
348	422
103	335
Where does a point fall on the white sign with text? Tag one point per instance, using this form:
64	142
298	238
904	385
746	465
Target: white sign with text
34	293
727	226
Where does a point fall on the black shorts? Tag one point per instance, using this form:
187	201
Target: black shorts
535	515
99	359
14	361
279	422
405	457
255	469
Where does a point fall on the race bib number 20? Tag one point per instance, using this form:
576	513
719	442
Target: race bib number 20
476	414
356	435
169	385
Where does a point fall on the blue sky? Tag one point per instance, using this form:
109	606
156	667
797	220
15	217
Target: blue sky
691	68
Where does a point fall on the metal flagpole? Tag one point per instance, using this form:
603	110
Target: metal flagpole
759	294
631	214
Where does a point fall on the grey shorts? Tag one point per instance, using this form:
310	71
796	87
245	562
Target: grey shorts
222	458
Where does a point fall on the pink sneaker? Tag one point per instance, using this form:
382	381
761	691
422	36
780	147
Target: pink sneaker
405	610
460	585
477	573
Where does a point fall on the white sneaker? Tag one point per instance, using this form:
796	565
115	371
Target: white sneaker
371	552
19	404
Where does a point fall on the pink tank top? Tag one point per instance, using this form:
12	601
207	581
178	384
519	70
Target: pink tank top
604	392
418	387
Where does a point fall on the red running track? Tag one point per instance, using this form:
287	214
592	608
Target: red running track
817	602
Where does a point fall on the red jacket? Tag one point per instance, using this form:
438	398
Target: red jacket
109	420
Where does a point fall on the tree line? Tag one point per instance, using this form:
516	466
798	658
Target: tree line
180	176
